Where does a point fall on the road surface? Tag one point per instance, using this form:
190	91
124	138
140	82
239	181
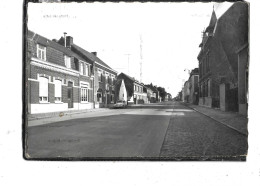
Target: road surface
163	130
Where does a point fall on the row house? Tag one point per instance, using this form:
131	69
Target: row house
153	93
56	79
135	89
150	94
194	86
186	91
223	60
104	76
62	76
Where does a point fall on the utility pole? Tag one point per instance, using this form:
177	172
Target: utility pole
128	62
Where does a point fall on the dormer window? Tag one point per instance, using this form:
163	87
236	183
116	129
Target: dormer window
67	61
41	52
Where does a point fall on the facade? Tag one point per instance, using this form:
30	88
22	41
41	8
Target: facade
104	76
220	57
186	91
135	89
194	86
152	93
56	80
149	93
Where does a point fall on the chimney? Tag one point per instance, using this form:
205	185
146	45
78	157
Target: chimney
95	53
69	41
65	38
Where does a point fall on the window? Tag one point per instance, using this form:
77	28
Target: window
112	80
207	62
57	89
135	87
112	98
43	89
67	61
84	93
100	76
87	70
106	78
81	68
41	52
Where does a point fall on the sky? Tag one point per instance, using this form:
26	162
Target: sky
168	34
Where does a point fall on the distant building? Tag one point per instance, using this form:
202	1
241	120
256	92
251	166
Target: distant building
223	57
135	89
186	91
152	93
149	93
194	86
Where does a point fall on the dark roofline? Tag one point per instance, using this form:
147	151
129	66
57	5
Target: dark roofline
55	45
91	57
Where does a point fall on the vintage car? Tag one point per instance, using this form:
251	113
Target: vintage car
120	104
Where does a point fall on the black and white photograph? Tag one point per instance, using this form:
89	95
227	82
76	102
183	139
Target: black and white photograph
142	81
130	93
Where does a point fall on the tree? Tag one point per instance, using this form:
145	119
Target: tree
162	92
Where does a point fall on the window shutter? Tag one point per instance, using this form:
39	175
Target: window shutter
57	88
43	92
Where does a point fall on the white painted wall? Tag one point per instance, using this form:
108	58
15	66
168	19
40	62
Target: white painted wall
122	92
56	107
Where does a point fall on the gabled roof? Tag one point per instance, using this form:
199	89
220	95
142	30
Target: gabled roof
129	77
152	87
90	56
49	43
232	36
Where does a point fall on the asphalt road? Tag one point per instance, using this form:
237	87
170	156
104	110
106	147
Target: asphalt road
165	130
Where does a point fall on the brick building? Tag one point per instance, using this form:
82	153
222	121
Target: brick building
194	86
58	78
104	76
218	58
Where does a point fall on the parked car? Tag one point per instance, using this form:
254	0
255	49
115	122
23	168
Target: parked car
120	104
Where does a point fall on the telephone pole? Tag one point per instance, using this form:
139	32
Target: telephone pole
128	62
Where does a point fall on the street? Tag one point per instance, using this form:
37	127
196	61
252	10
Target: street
162	130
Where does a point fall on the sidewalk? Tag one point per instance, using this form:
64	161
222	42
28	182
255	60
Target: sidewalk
39	116
230	119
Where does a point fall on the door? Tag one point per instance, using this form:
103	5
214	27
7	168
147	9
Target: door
70	95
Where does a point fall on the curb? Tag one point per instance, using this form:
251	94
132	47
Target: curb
65	114
225	124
